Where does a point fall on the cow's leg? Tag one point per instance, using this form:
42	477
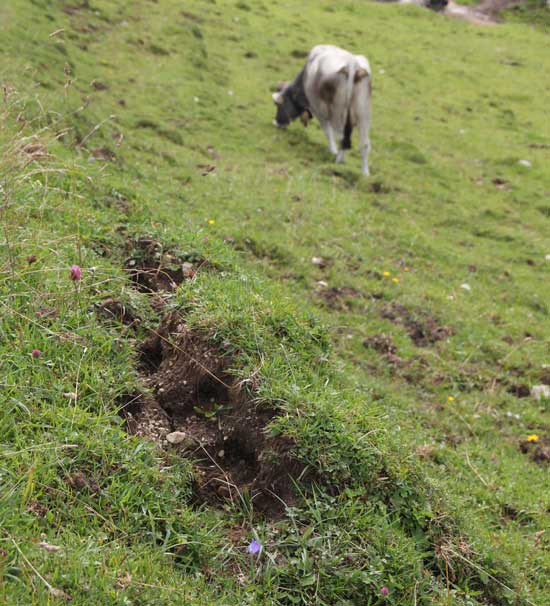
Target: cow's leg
338	124
346	141
329	132
364	145
363	114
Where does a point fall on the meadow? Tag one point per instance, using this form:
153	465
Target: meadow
377	338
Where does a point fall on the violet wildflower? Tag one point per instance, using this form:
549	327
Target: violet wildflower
36	353
254	547
384	591
76	273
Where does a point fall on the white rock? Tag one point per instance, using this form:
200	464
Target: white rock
466	286
176	437
319	261
540	392
525	163
187	269
547	257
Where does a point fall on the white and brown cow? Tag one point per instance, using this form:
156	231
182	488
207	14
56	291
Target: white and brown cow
335	87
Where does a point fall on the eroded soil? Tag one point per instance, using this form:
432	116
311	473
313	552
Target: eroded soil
196	406
423	329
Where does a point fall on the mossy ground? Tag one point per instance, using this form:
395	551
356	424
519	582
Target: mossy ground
395	364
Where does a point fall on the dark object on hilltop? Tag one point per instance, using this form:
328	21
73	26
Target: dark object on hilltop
437	5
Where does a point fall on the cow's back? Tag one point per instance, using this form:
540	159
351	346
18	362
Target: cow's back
326	79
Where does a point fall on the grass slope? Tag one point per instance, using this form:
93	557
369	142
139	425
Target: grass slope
398	384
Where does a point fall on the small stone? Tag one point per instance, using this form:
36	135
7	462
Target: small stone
49	547
176	437
320	262
466	286
525	163
223	491
188	270
540	392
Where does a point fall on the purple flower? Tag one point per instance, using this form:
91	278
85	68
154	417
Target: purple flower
36	353
384	591
76	273
254	547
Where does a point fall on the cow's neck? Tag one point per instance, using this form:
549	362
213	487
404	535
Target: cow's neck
298	93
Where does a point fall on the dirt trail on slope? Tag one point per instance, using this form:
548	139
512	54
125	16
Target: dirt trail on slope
485	13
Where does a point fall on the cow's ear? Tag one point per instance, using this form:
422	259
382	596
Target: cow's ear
278	98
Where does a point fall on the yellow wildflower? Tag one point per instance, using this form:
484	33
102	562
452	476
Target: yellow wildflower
211	221
451	399
396	280
387	273
532	437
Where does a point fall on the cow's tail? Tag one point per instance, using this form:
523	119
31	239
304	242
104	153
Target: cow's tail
355	72
350	71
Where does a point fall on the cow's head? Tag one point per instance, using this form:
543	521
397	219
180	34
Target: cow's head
287	108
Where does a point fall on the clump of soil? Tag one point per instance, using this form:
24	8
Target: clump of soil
520	390
197	407
113	309
80	481
538	451
381	343
423	329
338	297
103	153
154	268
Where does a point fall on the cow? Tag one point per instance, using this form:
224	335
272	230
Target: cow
335	87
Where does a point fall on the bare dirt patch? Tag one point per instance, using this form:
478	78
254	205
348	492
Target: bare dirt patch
520	390
197	407
485	13
381	343
423	329
103	153
80	481
338	297
113	309
154	268
538	451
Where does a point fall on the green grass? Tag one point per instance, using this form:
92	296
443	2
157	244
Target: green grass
421	485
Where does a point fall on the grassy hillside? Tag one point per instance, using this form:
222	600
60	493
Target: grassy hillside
375	338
